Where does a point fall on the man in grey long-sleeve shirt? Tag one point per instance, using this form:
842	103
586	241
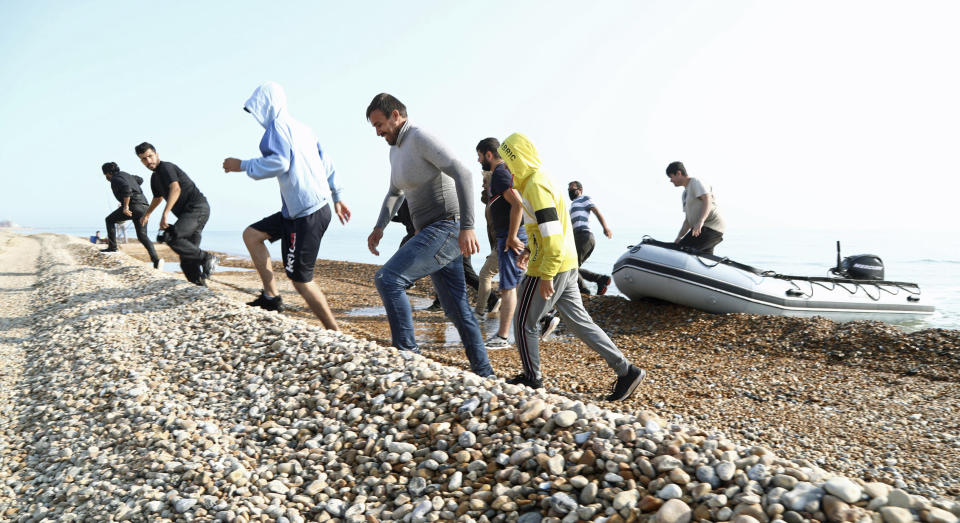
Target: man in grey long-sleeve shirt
439	193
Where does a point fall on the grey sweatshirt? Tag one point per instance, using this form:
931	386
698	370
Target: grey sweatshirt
416	164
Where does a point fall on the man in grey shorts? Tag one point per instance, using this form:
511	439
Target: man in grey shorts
439	193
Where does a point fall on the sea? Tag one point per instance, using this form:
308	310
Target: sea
931	259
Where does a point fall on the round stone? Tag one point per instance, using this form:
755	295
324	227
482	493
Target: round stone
565	418
670	491
674	511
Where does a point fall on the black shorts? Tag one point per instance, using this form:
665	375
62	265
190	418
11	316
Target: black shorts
299	240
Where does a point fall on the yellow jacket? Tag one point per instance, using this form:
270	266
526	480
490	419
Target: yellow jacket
546	217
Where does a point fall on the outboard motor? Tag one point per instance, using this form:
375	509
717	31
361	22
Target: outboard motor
859	266
863	267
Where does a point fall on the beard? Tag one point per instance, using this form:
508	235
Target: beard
485	165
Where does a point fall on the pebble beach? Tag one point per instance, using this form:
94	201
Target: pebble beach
128	394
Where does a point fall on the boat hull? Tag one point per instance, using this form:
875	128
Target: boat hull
706	283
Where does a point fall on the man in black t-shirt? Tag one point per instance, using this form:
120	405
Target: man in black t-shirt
188	204
133	205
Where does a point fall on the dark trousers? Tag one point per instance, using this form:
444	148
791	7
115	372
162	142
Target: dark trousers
585	244
117	216
708	239
183	238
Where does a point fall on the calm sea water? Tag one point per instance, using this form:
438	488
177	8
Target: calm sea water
932	260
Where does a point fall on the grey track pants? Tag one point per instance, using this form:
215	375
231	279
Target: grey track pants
567	301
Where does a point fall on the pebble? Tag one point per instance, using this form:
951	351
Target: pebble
466	439
707	474
456	480
531	410
899	498
421	509
666	463
804	497
235	414
626	499
725	470
670	491
939	515
417	486
277	487
588	494
335	507
578	482
184	504
562	503
896	515
674	511
844	489
565	418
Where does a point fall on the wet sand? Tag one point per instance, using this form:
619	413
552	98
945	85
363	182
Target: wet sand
862	398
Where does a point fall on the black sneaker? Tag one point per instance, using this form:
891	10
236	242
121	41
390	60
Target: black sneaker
522	379
435	306
270	304
109	249
602	286
548	324
209	264
627	383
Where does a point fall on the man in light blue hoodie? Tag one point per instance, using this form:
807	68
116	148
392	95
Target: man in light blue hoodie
307	178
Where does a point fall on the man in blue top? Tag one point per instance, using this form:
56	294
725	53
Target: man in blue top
504	202
307	179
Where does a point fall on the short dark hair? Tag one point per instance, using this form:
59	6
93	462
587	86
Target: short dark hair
676	166
110	168
489	145
144	147
576	185
386	104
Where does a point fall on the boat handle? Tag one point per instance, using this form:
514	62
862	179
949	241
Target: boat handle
913	299
794	293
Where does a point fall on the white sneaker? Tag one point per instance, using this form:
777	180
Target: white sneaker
548	324
496	342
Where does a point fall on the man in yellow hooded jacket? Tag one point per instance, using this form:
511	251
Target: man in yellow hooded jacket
551	263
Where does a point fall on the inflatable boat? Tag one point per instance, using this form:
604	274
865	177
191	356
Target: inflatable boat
857	291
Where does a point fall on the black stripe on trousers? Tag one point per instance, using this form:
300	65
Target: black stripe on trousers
528	292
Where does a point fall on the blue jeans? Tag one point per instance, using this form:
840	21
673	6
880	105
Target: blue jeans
434	252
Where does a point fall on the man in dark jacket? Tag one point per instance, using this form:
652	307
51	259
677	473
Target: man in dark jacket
133	205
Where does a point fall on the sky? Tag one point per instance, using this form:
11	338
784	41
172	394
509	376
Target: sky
813	114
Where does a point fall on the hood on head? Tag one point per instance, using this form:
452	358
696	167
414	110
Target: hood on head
266	103
520	156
